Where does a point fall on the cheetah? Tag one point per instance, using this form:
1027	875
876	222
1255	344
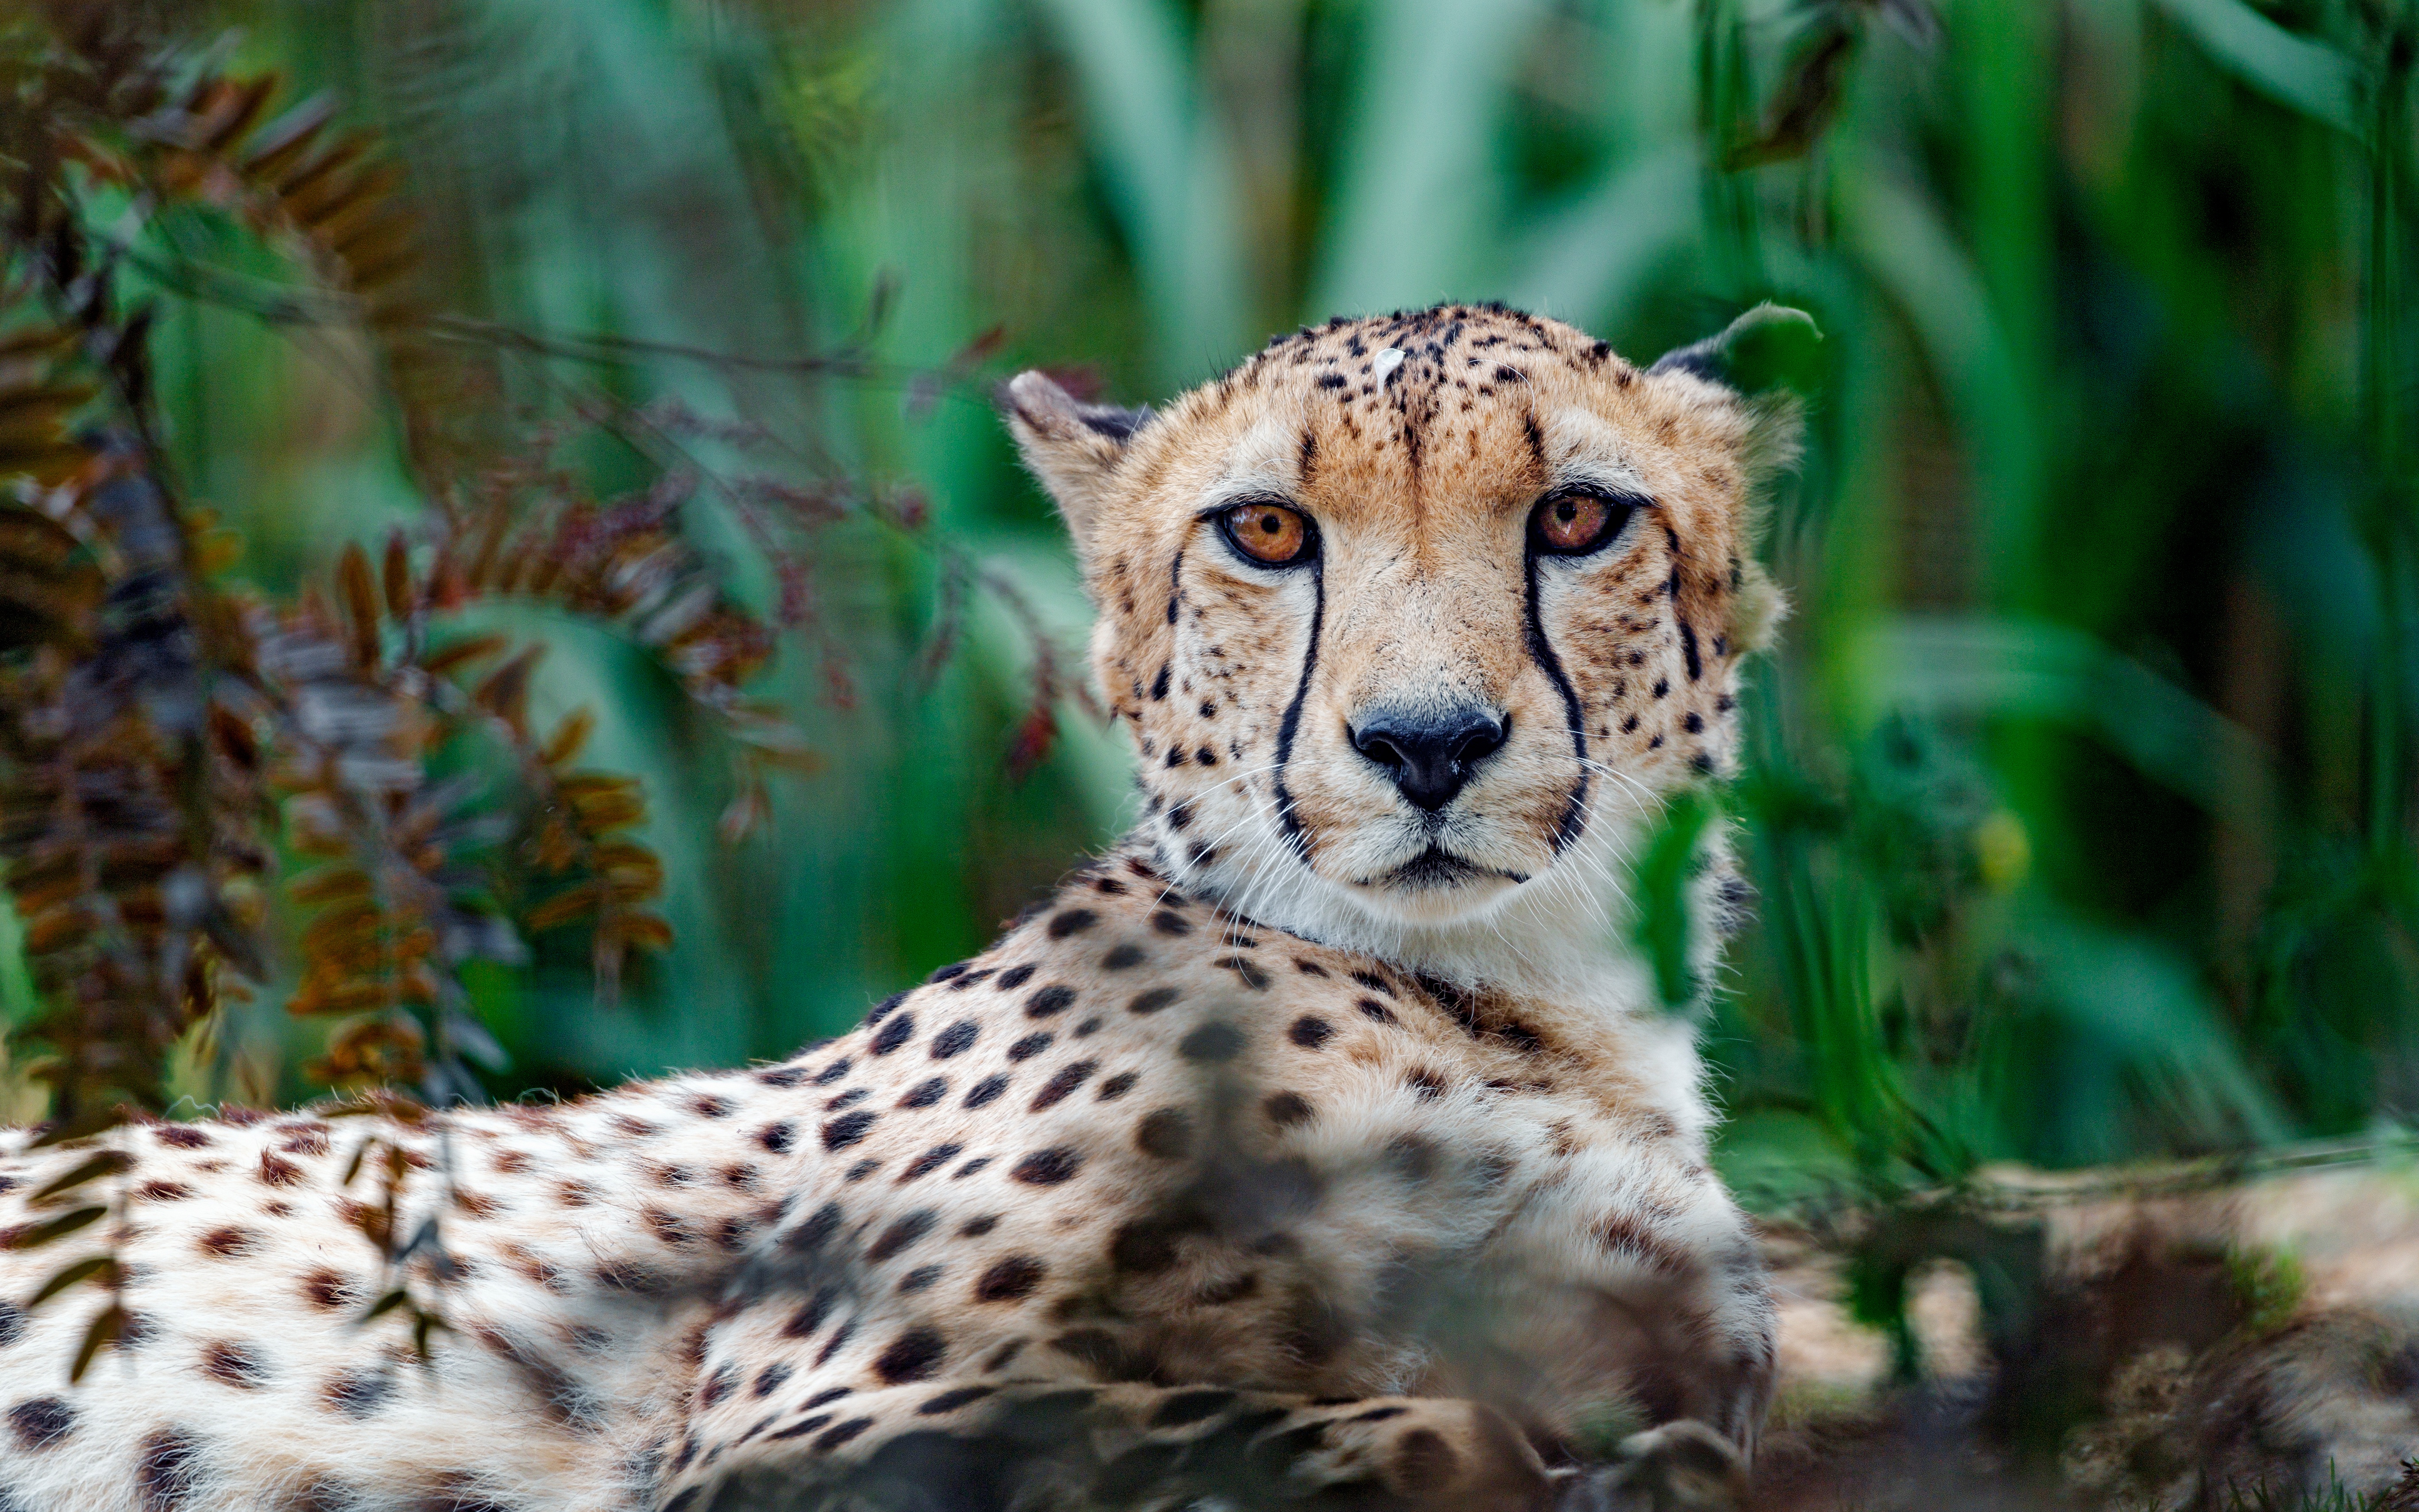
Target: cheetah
1325	1143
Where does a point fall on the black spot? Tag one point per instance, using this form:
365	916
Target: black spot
977	1228
1117	1085
930	1161
1248	969
1153	1000
912	1356
894	1034
1374	982
1049	1000
1310	1031
956	969
1286	1109
1059	1088
12	1323
925	1093
970	979
232	1365
1159	684
1071	920
1165	1134
1030	1047
1694	723
770	1378
1088	1028
1178	815
1126	955
918	1279
359	1393
825	1397
1010	1280
908	1229
849	1098
1169	923
1332	380
949	1401
838	1342
165	1468
955	1038
983	1093
1047	1167
1212	1041
834	1438
41	1422
1426	1083
782	1075
809	1317
1662	686
1015	977
1689	649
1309	968
226	1243
847	1129
817	1230
777	1137
832	1072
882	1010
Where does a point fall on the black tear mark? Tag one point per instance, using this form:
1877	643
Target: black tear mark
1689	649
1288	824
1568	828
1175	583
1159	684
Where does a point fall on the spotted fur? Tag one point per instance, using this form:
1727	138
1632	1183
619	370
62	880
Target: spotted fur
1266	1160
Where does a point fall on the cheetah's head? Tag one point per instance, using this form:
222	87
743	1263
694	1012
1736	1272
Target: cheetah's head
1414	617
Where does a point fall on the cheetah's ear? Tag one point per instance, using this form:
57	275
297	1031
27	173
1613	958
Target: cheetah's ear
1073	447
1769	347
1768	356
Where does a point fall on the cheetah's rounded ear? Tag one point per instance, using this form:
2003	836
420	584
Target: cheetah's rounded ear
1768	356
1073	448
1769	347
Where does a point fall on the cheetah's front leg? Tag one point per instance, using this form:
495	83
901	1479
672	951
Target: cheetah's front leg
1042	1447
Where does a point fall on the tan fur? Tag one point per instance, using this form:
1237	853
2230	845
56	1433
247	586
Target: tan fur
1235	1170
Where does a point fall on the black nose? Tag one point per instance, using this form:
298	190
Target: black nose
1430	756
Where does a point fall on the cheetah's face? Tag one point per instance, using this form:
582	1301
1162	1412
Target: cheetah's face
1409	614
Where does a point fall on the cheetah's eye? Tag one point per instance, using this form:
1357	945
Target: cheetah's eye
1270	533
1574	521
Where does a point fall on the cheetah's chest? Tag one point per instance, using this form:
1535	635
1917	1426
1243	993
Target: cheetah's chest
1142	1140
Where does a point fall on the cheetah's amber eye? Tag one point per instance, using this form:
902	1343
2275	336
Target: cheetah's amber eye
1576	521
1270	533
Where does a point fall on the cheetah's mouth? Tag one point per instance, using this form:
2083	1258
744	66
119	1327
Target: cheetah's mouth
1436	868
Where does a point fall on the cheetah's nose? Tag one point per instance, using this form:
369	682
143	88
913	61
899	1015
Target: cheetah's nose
1431	755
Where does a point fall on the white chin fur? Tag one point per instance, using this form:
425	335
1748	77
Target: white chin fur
1561	931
